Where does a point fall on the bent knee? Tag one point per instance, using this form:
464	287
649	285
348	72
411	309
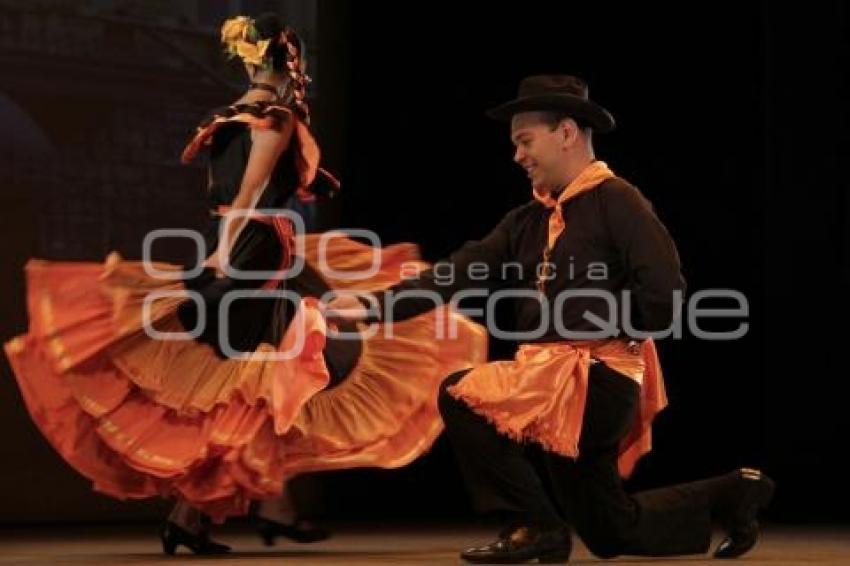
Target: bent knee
609	541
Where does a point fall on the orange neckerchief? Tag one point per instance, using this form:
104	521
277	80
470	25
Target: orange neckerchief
590	177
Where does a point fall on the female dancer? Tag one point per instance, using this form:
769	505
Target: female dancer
228	415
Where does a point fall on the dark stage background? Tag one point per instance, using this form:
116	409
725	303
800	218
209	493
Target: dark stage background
732	121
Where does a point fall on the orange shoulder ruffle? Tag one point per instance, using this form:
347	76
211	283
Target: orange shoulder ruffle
264	116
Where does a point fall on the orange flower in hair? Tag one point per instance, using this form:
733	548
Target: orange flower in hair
242	40
252	53
235	29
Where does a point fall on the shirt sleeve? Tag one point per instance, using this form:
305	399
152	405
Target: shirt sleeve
649	254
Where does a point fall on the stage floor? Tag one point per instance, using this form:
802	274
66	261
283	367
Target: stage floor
372	544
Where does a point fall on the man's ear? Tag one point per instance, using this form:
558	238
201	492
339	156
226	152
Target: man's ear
570	129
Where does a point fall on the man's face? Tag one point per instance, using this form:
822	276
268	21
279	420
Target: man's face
539	149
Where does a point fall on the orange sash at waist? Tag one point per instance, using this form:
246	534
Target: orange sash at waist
540	395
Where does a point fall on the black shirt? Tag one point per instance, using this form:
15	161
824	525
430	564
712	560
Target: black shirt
612	243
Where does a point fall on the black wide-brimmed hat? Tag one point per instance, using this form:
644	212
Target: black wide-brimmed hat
557	93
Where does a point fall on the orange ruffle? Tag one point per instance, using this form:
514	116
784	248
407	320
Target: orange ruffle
385	413
540	395
143	417
265	116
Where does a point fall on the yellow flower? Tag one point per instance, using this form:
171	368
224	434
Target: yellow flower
252	53
235	29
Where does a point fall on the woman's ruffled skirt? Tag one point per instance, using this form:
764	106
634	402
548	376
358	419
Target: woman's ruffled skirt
142	416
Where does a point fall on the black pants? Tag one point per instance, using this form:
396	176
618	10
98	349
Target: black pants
500	478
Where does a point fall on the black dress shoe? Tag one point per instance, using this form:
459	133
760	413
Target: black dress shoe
173	535
738	542
300	531
523	544
752	492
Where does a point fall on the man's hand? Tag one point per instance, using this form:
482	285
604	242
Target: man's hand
346	308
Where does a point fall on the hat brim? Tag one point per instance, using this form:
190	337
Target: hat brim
599	119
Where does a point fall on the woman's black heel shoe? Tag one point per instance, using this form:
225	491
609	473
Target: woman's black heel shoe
300	531
173	535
